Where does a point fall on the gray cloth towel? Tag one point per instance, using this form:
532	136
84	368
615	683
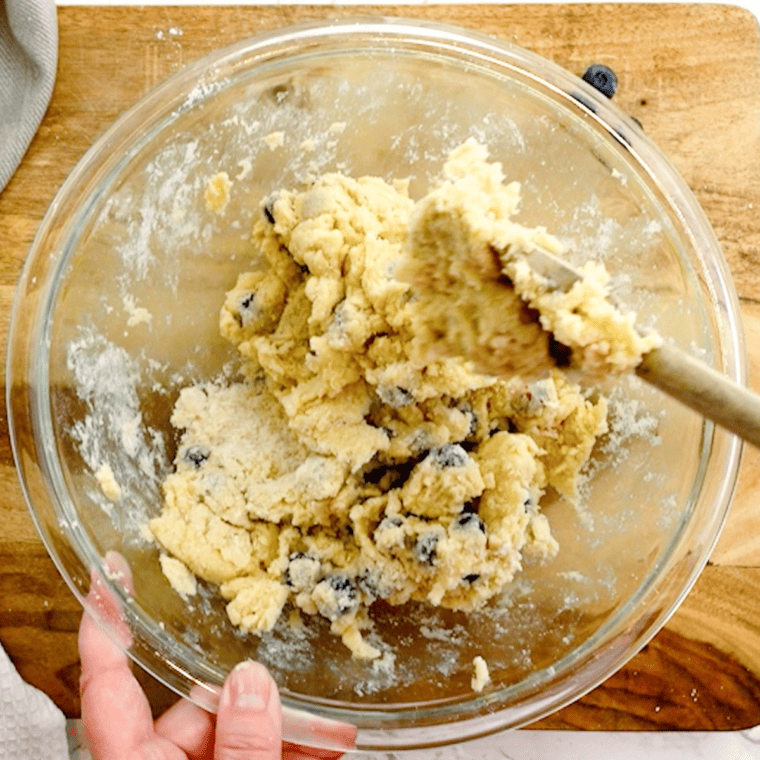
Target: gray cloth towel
28	62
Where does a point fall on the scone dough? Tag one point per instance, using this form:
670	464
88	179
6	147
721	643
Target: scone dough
348	465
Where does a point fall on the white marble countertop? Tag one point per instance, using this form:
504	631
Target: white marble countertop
562	745
523	744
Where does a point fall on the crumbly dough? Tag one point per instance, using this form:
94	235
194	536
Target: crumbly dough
480	674
217	192
108	483
348	465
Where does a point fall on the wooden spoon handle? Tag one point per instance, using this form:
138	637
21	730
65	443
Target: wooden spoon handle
673	371
704	390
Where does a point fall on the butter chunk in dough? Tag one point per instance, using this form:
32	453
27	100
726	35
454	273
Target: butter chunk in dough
348	465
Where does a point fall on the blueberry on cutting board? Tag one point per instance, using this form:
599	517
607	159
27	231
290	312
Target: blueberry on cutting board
601	78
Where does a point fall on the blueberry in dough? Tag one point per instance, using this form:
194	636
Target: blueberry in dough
390	534
390	522
474	421
470	521
425	549
369	583
372	584
336	595
395	396
247	302
387	477
247	309
449	455
197	455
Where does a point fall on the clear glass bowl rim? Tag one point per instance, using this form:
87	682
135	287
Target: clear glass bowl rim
559	687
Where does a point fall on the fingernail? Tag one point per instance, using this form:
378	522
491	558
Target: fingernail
250	687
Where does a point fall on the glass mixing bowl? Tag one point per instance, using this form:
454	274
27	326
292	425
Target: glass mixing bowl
117	310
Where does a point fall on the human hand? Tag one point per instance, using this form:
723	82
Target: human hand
116	715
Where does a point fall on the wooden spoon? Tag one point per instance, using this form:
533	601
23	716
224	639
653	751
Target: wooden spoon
675	372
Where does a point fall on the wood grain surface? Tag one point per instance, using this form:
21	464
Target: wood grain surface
689	73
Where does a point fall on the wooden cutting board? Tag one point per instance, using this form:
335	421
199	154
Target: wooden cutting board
689	73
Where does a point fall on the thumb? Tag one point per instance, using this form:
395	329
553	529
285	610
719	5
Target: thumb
249	721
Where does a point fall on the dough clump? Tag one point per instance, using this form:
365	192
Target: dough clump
347	465
480	297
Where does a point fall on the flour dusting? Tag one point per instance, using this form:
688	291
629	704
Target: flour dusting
113	440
